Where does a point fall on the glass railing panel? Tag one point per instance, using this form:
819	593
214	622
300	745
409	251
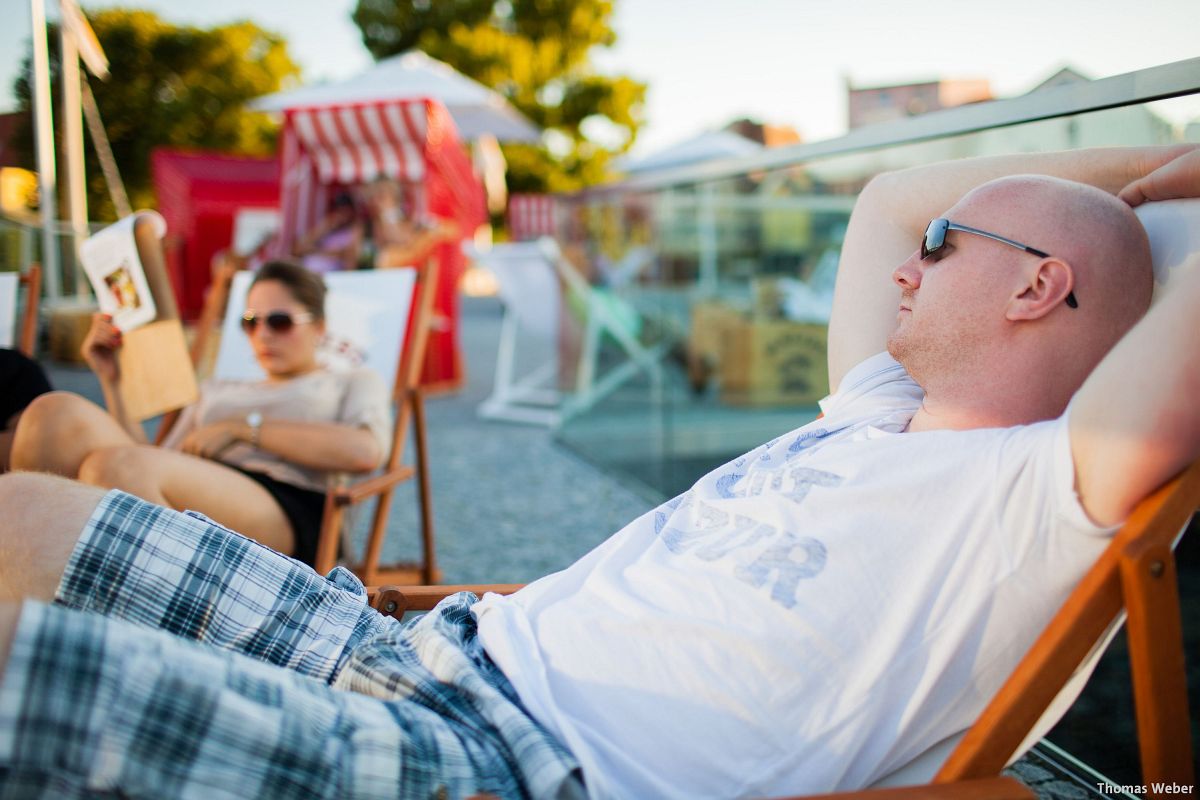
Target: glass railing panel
730	280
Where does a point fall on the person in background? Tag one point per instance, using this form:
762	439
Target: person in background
336	242
401	240
254	456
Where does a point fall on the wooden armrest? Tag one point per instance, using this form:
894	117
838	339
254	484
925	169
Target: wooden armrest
369	487
1000	788
396	600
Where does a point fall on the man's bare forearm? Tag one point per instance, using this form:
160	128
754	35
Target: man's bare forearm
1135	422
918	193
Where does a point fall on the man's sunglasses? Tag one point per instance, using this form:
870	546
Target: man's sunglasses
276	321
935	239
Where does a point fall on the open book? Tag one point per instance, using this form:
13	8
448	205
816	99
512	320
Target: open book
125	266
114	268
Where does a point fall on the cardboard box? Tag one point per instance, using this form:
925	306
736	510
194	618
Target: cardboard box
773	362
710	324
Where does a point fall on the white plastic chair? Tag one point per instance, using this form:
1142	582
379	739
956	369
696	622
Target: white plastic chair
535	280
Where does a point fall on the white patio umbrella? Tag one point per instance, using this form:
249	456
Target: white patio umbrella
476	109
706	146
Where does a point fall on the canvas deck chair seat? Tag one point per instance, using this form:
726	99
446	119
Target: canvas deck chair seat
378	319
1132	583
18	325
536	282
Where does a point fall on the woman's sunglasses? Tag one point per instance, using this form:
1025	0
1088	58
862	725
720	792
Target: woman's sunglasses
276	321
935	239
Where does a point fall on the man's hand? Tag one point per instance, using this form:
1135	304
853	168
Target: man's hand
211	440
99	349
1134	422
1178	178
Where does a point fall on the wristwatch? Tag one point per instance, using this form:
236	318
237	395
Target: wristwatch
254	420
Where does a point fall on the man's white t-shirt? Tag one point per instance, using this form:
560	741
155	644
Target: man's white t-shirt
809	617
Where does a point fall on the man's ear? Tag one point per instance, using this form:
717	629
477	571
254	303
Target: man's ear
1047	287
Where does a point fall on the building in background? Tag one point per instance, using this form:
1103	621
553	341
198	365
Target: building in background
868	105
764	133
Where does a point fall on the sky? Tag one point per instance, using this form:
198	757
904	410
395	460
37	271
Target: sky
707	62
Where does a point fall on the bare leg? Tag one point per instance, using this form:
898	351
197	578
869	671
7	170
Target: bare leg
181	481
58	430
43	517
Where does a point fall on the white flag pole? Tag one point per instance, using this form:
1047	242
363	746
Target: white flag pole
72	124
44	125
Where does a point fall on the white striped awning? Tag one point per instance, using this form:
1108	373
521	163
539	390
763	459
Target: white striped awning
358	143
531	216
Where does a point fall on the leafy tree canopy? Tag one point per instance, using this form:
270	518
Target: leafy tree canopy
173	86
536	54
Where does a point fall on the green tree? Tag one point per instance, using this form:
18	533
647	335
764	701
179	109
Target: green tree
536	53
173	86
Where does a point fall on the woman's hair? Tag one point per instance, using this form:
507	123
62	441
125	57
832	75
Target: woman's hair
306	287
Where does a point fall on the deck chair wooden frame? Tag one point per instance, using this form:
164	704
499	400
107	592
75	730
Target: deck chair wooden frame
408	400
31	279
533	398
25	328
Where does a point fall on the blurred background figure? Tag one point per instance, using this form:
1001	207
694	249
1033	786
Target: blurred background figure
399	234
390	226
335	243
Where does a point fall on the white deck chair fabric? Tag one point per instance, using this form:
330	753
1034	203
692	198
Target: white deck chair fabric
8	309
529	275
1174	230
366	314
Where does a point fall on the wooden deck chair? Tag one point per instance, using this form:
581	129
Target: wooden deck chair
1132	583
535	281
20	332
379	318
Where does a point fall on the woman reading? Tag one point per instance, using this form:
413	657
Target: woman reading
253	456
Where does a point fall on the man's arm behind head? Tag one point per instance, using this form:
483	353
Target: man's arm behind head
893	209
1136	420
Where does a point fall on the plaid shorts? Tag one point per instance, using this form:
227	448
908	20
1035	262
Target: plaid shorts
183	660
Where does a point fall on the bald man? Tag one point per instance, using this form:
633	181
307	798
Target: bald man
811	616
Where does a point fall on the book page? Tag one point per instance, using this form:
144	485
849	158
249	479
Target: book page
114	269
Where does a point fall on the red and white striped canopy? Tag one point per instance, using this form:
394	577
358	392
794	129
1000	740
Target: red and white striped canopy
357	144
336	146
